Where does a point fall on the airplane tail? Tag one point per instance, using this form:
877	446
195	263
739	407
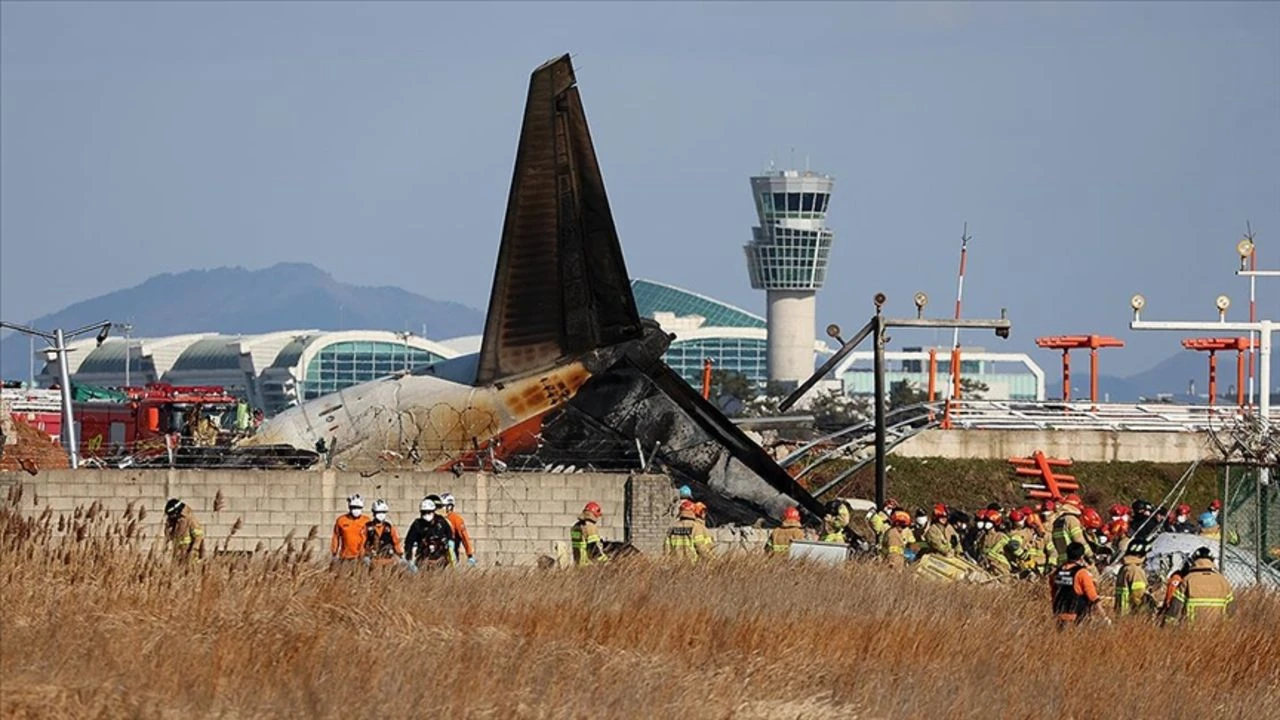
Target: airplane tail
561	287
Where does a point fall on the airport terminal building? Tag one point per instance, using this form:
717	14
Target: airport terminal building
272	371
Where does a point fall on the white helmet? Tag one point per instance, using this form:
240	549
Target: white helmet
355	501
380	506
427	506
448	499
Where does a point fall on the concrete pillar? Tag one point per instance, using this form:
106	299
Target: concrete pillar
792	315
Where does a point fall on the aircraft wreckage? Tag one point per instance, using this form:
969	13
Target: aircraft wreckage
567	368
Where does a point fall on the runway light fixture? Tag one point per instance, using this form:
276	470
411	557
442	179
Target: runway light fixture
1137	302
921	299
1222	303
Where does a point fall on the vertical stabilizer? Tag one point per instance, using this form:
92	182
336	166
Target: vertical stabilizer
561	287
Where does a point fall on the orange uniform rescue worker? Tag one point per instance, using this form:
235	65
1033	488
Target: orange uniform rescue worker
381	541
459	529
780	538
1072	589
348	538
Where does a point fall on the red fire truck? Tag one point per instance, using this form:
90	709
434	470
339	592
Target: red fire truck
143	420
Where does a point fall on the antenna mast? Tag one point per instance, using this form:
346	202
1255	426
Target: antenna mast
955	336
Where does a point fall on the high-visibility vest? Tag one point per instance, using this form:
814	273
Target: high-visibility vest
680	542
581	539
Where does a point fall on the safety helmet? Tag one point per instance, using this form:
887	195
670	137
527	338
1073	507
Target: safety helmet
686	506
1118	528
439	501
791	513
1118	510
593	508
1215	505
1048	506
1202	553
380	506
699	510
1072	499
1026	511
1184	509
355	501
448	499
994	517
427	505
1091	519
900	518
685	492
891	504
1208	520
1142	507
1017	516
940	512
174	506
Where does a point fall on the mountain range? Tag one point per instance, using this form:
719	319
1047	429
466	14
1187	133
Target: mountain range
291	296
234	300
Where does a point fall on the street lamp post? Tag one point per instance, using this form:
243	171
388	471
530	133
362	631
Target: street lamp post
128	350
59	340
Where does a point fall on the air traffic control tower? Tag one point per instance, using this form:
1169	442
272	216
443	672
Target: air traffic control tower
787	258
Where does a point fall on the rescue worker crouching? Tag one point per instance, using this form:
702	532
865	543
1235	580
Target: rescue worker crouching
893	544
381	541
1203	595
183	530
348	538
781	537
940	538
834	522
426	545
683	537
584	537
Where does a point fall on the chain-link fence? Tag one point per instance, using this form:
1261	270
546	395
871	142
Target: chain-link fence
1250	549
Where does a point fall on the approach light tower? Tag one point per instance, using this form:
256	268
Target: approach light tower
787	258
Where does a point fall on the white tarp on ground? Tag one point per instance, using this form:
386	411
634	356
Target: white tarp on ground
1170	550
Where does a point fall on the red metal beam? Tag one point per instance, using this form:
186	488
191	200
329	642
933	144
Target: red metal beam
1067	343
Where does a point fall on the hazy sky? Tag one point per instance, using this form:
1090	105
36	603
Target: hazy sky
1095	150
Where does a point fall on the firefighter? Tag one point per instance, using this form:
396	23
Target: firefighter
1048	512
348	538
996	546
702	540
426	545
879	520
459	525
1067	528
680	542
1072	589
1181	521
893	544
1095	538
967	532
1204	594
1032	559
834	522
1131	585
941	538
381	541
183	530
1143	522
584	537
781	537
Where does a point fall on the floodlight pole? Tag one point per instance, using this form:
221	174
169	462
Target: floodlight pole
59	340
876	327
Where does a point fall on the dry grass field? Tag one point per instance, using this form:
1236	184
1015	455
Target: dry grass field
95	623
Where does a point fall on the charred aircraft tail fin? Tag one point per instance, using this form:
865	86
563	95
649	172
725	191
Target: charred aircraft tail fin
561	287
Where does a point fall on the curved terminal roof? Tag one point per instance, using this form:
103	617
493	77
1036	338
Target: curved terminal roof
655	297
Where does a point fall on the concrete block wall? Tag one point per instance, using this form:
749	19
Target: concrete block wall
513	517
1079	445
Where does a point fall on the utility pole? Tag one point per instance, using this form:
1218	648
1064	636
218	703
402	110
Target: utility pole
128	349
876	326
59	340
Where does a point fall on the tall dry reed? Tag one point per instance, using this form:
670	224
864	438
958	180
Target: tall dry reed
97	621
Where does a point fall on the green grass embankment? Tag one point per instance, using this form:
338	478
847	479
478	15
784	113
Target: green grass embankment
970	484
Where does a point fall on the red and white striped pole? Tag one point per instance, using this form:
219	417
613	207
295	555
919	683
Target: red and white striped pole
955	337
